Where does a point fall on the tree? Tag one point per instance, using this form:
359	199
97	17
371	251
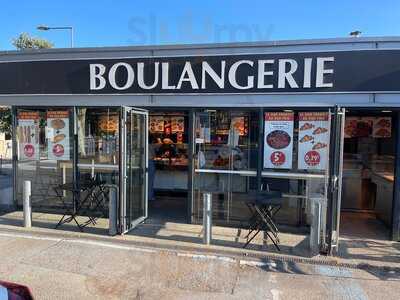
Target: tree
25	41
5	121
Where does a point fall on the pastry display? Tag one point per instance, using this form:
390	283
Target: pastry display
382	127
384	122
382	132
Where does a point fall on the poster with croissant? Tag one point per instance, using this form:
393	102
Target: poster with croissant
28	135
58	141
313	140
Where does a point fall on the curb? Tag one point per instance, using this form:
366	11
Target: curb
252	258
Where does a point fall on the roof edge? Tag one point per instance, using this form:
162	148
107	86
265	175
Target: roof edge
209	45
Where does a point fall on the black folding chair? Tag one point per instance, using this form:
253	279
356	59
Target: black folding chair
71	211
263	207
89	195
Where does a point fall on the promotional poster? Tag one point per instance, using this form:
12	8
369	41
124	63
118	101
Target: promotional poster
313	140
278	140
58	135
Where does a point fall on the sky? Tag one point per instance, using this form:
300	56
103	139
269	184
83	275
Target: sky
124	22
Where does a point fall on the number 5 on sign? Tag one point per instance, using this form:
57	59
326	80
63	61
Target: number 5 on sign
278	158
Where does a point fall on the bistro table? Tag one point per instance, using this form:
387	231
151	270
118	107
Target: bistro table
87	205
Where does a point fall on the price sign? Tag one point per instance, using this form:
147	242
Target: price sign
278	140
278	158
313	140
312	158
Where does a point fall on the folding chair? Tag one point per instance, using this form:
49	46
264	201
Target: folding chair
263	207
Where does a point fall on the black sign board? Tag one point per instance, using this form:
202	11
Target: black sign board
341	71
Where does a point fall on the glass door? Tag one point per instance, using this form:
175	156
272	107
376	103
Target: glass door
134	166
335	179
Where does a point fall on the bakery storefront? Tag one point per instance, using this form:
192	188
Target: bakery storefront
316	120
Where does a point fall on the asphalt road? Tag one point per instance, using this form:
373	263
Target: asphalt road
57	268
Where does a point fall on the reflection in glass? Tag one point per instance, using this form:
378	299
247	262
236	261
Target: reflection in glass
225	162
98	143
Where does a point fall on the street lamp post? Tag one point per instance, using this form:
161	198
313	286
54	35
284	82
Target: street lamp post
70	28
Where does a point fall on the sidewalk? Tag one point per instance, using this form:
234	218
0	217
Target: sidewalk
385	256
67	267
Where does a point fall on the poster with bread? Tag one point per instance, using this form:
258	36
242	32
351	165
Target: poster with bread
177	124
382	127
58	139
28	135
156	124
313	140
278	140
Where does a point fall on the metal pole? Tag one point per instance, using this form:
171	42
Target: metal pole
72	37
207	218
27	204
112	211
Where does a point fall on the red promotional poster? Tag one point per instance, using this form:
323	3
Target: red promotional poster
58	135
313	140
278	140
28	135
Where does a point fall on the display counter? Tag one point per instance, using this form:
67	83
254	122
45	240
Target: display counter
384	195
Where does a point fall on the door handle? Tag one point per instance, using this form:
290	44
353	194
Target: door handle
335	180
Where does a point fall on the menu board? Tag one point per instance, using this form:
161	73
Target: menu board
156	124
177	124
278	140
108	123
28	135
382	127
313	140
358	126
58	140
376	127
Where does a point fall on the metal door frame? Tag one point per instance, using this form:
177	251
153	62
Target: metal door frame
123	226
335	174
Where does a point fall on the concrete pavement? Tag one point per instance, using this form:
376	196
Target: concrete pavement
59	267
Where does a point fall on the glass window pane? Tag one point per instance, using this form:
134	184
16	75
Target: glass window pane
98	143
45	152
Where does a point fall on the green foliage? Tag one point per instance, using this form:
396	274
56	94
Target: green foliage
25	41
5	120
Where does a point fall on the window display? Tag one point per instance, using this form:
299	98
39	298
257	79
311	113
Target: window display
223	140
98	142
169	141
368	126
